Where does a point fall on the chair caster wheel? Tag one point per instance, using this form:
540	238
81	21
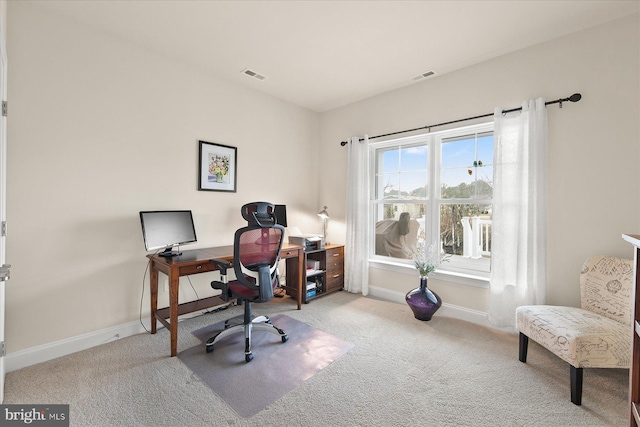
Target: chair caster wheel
284	338
248	357
209	348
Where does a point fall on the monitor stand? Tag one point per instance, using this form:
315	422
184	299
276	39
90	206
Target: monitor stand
168	253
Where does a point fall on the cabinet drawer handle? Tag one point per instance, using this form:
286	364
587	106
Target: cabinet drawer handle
336	254
198	267
336	275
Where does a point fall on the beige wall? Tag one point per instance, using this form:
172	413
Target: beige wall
3	18
594	145
101	129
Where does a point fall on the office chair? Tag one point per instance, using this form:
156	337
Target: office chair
256	252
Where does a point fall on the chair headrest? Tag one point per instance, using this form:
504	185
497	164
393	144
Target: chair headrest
259	213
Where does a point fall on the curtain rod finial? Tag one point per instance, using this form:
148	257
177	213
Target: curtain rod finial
343	143
575	97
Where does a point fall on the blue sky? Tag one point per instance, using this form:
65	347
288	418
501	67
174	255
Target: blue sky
458	157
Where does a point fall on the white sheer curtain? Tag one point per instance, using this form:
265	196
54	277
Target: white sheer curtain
519	230
356	265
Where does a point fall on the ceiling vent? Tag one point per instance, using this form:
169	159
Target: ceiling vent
423	76
253	74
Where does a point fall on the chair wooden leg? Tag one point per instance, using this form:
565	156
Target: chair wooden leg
576	385
524	345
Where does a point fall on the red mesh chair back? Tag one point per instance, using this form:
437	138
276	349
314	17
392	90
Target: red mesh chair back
256	256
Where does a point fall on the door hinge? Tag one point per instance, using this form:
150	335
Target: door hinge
3	229
5	272
3	349
4	108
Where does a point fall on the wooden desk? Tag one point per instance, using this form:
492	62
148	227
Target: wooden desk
196	261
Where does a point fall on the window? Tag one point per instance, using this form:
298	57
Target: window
437	187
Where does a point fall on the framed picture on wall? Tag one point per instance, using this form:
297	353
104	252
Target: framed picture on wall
217	167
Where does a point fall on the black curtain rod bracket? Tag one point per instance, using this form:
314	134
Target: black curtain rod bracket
573	98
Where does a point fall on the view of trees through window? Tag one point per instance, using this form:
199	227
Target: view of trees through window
466	190
453	220
460	205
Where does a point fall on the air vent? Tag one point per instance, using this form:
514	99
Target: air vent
253	74
423	76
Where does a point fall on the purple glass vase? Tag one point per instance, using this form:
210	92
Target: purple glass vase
423	302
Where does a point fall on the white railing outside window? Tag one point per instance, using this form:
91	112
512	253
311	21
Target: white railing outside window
476	237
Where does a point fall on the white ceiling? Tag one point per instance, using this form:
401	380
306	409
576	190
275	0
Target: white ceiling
325	54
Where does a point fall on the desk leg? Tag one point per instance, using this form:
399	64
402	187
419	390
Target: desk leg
153	289
302	277
174	282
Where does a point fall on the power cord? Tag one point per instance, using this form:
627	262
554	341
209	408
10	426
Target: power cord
192	287
279	291
144	277
219	308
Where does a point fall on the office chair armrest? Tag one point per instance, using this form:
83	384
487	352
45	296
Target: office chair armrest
222	265
223	284
265	291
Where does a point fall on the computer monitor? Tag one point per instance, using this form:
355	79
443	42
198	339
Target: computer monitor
166	229
280	212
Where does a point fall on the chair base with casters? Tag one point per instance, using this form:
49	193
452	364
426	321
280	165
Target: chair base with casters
598	335
247	324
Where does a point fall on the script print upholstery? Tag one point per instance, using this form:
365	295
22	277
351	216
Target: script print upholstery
606	287
597	335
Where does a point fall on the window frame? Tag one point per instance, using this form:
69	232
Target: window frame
455	272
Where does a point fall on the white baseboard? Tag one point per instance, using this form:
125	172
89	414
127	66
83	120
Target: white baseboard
449	310
42	353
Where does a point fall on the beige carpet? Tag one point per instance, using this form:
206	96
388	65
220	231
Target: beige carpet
400	372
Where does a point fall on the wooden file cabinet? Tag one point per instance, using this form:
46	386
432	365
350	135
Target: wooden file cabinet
327	276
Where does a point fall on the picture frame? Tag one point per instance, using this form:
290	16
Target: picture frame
217	167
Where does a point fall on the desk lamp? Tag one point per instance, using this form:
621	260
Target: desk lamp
325	216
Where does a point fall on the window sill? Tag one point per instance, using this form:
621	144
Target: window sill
443	275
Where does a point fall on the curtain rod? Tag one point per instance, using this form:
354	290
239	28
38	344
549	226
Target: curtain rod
573	98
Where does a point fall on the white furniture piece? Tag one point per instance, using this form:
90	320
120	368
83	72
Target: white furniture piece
597	335
397	238
634	369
